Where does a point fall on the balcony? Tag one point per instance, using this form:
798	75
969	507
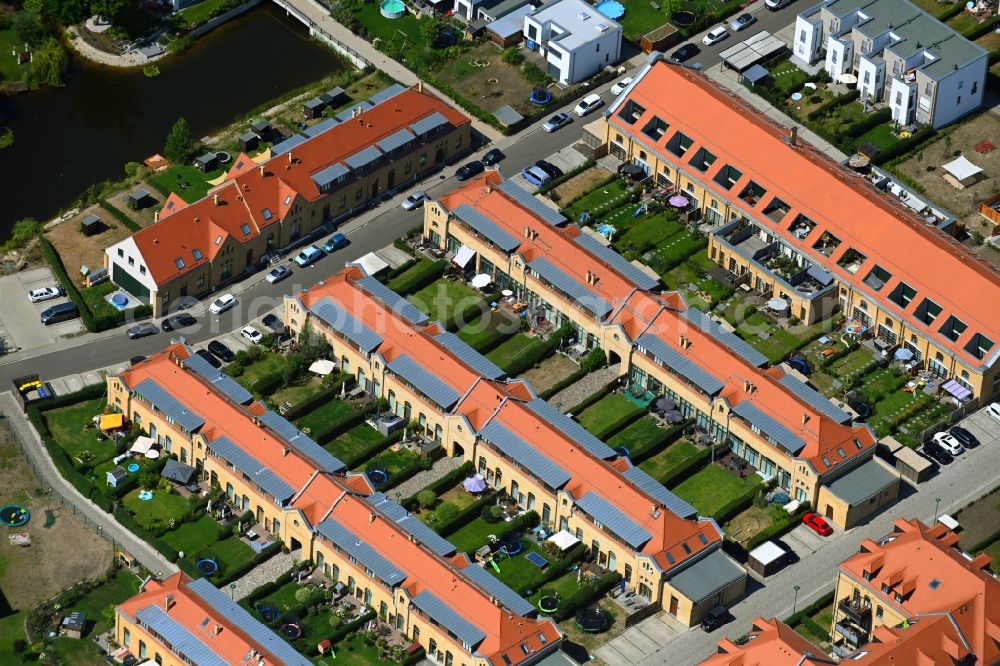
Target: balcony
852	634
776	210
827	244
752	193
856	613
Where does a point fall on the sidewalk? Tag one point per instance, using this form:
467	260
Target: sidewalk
134	59
34	450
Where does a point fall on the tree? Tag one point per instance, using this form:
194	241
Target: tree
25	230
27	25
49	64
312	344
179	148
107	9
65	12
426	499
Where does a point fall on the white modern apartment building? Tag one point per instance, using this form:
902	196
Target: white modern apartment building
925	71
486	10
576	40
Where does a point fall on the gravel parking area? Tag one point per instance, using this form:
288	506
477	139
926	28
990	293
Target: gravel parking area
20	320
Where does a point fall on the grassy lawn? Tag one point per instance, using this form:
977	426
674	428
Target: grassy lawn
160	509
473	536
823	378
694	274
964	22
199	13
564	586
933	7
281	599
94	297
230	553
356	652
662	463
193	537
356	443
334	410
675	249
516	571
10	71
787	76
889	407
648	233
993	551
391	32
509	350
98	604
909	431
268	364
764	334
822	617
489	330
882	383
606	411
67	425
880	135
638	436
390	461
188	182
77	652
298	392
599	201
423	264
713	487
442	299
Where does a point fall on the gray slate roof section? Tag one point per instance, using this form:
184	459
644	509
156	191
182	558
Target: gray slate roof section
707	576
449	618
411	525
218	379
314	103
527	200
367	556
429	124
363	157
617	262
465	353
730	340
344	323
169	405
571	429
487	227
392	300
386	93
301	442
657	490
578	291
238	616
510	599
287	144
680	364
527	456
603	511
177	635
346	114
770	426
396	140
862	482
320	127
435	389
250	466
815	399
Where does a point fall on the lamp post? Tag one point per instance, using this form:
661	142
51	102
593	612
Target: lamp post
937	501
398	495
232	591
795	602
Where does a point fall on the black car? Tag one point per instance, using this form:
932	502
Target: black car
272	322
936	452
718	616
467	171
141	330
964	437
685	53
181	320
209	358
549	168
221	350
136	359
791	557
493	157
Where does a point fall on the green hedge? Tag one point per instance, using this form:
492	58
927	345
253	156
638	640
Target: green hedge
537	353
247	567
777	528
577	375
829	105
586	593
459	319
402	268
321	398
624	420
268	588
594	398
418	277
989	25
666	436
686	469
556	182
872	120
558	568
795	619
364	454
444	483
737	505
921	136
267	383
120	216
332	429
986	543
466	516
338	634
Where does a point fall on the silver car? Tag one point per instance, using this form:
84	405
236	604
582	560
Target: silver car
415	200
556	121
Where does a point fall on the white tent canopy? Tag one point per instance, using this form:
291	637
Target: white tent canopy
563	539
142	444
465	253
371	263
962	169
481	280
322	367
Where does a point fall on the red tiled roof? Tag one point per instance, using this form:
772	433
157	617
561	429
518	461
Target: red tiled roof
839	202
772	643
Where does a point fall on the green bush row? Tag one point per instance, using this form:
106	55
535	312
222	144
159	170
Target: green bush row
831	104
269	588
562	384
737	505
687	469
905	146
872	120
466	515
332	429
118	215
536	353
777	528
586	593
340	633
437	487
556	182
594	398
405	266
653	446
626	419
324	396
989	25
795	619
460	318
840	352
557	568
418	277
247	567
361	455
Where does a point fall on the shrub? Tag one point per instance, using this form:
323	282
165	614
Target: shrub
492	513
302	594
594	360
447	512
426	499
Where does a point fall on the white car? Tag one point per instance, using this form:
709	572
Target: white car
44	294
715	36
993	409
948	443
588	104
222	303
415	200
251	334
620	87
307	256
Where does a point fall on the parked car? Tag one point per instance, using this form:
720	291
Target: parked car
620	87
415	200
45	294
549	168
556	121
222	303
791	557
278	273
715	618
742	21
535	176
817	524
935	452
272	322
209	358
58	313
964	437
221	350
775	5
493	157
715	36
179	320
993	409
685	53
948	443
588	104
308	256
251	334
141	331
467	171
136	359
335	242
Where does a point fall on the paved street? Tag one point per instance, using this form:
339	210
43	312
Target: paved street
969	477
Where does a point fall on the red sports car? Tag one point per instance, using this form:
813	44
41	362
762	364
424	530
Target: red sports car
815	522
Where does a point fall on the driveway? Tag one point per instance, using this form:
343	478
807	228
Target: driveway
20	319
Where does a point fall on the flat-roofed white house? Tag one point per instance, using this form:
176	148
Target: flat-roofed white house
576	39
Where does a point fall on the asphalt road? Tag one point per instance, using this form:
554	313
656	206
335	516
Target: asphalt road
773	22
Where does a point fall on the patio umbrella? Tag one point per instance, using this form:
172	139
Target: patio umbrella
481	280
778	304
507	292
633	170
848	79
678	201
665	404
673	416
903	354
322	367
152	454
474	484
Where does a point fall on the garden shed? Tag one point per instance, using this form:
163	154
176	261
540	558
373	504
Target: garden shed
766	558
91	225
139	199
249	141
207	162
116	475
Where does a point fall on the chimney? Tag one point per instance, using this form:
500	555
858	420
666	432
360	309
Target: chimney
680	341
262	174
168	601
747	386
290	159
284	452
216	630
980	561
215	199
527	232
156	216
793	134
371	517
805	418
420	86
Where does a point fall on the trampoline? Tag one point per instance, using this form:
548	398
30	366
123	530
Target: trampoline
145	495
548	603
269	614
799	364
291	631
510	544
592	620
540	96
207	566
863	409
377	476
622	451
853	328
14	515
611	8
119	300
133	468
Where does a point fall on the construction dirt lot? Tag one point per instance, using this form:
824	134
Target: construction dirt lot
77	250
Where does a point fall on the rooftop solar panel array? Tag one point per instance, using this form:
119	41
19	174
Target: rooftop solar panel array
392	300
221	381
169	405
252	468
344	323
178	637
424	381
411	525
301	442
620	264
359	549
